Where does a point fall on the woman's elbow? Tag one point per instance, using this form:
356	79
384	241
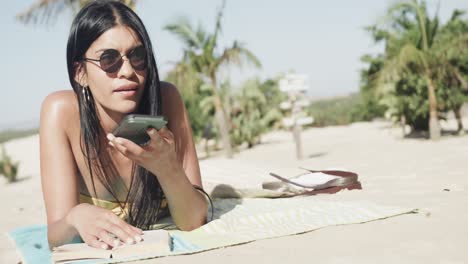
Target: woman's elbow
195	223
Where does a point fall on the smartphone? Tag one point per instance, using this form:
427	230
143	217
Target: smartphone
133	127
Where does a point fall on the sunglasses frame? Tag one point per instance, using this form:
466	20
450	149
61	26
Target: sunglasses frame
119	61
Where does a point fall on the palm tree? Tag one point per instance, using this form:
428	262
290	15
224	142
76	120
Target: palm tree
411	45
201	54
417	45
454	73
402	65
45	10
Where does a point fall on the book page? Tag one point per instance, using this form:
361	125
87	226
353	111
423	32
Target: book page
314	179
154	241
78	251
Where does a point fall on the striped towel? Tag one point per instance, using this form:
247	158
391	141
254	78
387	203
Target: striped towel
237	221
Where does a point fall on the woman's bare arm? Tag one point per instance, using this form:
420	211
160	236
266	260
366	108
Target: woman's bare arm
66	218
179	124
192	205
58	169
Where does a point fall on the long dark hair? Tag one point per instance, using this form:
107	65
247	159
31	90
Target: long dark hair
145	194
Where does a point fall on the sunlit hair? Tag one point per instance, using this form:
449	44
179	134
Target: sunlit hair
92	21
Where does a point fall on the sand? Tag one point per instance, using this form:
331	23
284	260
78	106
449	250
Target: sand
411	172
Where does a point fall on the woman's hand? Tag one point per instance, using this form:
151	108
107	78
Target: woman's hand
188	207
158	155
101	228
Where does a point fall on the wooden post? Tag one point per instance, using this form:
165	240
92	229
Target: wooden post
296	128
294	85
297	139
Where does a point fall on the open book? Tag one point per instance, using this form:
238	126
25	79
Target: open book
153	241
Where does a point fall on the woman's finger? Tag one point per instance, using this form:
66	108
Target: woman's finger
156	140
137	230
120	234
124	230
166	134
164	130
121	149
154	135
106	237
93	241
132	231
125	146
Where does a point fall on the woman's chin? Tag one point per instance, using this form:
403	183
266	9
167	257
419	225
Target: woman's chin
126	107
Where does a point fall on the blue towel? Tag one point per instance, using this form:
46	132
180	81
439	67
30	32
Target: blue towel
31	242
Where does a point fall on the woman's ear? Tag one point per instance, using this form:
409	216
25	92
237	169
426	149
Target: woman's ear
80	74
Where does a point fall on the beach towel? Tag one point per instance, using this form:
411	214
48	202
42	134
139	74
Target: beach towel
236	221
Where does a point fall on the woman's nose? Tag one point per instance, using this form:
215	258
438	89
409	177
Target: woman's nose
126	70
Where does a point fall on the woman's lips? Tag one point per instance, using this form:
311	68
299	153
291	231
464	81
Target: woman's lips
126	93
127	90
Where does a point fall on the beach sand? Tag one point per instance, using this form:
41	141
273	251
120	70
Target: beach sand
411	172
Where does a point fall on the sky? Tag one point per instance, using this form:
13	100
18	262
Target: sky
322	39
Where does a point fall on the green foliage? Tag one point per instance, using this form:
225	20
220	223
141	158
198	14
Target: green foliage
452	77
370	106
411	103
452	97
255	110
193	94
8	168
202	61
338	111
421	56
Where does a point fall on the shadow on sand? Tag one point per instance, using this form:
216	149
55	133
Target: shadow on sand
444	133
18	180
316	155
225	198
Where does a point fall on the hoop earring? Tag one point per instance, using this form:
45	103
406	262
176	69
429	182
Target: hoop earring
86	92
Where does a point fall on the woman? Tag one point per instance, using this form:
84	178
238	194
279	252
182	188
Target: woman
96	186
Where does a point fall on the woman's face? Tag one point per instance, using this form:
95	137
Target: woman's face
119	91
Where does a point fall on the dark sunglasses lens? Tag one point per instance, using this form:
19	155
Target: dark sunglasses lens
138	58
110	61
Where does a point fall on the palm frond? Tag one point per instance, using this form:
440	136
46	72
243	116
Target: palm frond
237	55
452	46
459	76
184	30
218	29
250	57
47	11
432	27
185	78
393	16
394	67
457	14
44	11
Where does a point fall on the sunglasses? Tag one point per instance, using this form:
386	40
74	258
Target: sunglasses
110	60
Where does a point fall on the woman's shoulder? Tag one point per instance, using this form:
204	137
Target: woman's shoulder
172	100
60	107
169	90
